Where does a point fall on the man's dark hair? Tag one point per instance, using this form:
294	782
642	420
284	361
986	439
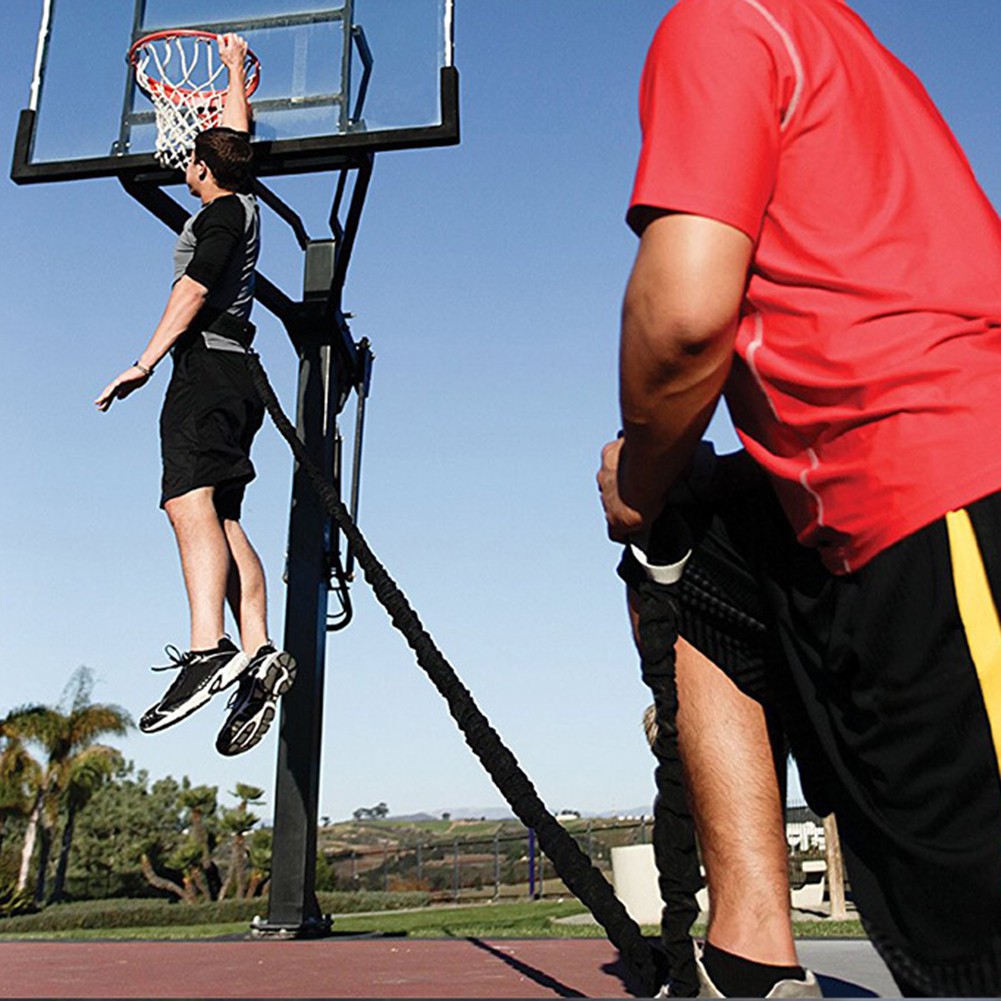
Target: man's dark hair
228	155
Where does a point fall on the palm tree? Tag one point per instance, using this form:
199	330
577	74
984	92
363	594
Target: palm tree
238	823
835	869
192	855
67	736
201	803
25	724
260	847
88	772
19	775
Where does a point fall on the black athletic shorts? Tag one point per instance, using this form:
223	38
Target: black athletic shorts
209	418
888	681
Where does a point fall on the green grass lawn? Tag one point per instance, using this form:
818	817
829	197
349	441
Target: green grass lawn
523	919
158	932
530	920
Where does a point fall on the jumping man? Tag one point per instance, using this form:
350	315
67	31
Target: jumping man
210	415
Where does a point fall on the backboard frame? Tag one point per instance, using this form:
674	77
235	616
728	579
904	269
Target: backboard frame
273	157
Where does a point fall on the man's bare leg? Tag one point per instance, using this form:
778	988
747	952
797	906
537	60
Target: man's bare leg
205	561
730	773
734	795
211	663
271	672
247	590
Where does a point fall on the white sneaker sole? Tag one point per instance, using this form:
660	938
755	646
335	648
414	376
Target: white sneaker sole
277	674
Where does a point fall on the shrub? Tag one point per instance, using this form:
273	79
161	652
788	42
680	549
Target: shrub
158	913
14	901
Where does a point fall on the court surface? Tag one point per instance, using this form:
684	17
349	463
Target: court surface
350	967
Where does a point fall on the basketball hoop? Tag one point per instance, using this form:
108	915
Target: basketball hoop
178	70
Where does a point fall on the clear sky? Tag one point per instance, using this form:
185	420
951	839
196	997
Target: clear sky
488	277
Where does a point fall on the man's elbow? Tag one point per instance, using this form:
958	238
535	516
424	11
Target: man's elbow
191	289
685	292
676	334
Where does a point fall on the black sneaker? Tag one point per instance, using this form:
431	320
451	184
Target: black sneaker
203	673
269	676
805	988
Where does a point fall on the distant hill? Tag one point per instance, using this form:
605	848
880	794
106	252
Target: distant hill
475	813
631	811
457	813
503	813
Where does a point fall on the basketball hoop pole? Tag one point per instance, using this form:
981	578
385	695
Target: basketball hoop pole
293	910
330	364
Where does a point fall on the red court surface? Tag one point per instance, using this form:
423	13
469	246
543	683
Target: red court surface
353	967
330	968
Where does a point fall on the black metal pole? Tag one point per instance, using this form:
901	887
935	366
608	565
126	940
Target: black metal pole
293	908
497	878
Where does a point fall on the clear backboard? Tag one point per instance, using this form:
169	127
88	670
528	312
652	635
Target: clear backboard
365	75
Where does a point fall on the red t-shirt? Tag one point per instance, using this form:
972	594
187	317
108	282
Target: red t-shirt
868	376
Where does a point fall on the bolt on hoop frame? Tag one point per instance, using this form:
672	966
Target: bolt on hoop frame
178	70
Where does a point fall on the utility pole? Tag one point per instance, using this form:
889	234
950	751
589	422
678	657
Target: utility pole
835	869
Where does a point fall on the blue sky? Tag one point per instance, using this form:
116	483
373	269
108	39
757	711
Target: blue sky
488	278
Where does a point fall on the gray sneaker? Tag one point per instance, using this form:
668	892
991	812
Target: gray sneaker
253	706
805	988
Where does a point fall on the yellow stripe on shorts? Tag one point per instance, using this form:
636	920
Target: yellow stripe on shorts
979	615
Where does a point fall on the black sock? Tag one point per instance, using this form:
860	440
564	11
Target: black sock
736	977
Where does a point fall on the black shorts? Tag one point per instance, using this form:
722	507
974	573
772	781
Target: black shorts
888	681
209	418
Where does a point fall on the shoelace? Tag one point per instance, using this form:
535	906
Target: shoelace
178	662
177	659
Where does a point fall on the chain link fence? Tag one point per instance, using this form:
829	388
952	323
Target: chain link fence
473	864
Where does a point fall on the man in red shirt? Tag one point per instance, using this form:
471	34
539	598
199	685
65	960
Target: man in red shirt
815	246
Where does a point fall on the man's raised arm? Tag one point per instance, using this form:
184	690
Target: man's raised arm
679	321
236	110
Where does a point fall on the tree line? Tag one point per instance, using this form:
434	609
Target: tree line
77	820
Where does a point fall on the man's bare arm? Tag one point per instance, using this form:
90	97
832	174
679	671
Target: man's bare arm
679	320
186	298
236	110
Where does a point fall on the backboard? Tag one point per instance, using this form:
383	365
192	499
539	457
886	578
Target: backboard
365	75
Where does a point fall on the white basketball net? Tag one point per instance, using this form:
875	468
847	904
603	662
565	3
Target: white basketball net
178	72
